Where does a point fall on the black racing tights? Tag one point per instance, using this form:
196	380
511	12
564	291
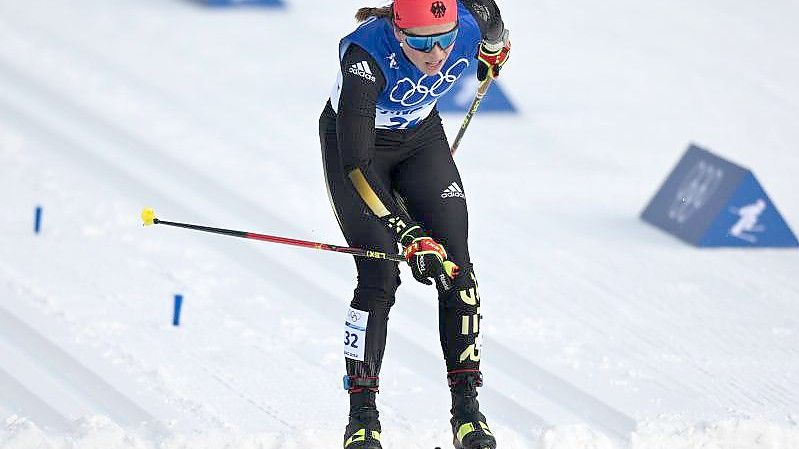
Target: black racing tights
417	165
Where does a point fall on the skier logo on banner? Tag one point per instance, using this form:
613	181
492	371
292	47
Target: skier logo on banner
747	226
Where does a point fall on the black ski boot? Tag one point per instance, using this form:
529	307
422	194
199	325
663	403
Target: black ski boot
469	427
363	430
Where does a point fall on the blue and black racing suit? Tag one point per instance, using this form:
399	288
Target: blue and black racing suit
381	136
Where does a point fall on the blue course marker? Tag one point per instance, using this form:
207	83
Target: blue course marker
176	315
37	220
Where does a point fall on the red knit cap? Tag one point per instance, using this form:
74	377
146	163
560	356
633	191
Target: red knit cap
419	13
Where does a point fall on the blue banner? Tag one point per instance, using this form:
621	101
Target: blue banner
711	202
462	94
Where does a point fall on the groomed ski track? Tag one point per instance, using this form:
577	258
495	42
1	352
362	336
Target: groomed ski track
66	127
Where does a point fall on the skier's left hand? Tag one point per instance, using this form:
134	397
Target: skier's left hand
491	57
428	259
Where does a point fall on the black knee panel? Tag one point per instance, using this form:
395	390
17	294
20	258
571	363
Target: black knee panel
377	286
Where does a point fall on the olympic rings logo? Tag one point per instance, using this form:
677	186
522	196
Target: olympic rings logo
695	191
418	92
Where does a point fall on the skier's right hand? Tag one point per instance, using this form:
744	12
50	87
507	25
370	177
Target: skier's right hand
428	260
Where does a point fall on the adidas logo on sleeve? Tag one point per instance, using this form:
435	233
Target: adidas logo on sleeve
362	69
452	191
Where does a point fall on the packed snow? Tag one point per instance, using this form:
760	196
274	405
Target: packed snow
600	331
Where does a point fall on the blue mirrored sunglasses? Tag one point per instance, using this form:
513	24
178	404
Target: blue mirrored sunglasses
428	42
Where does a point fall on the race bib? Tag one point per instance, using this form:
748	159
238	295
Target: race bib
355	334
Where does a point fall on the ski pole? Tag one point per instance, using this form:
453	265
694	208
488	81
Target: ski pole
148	217
481	92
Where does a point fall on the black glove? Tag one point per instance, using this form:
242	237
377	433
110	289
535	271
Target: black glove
428	260
491	57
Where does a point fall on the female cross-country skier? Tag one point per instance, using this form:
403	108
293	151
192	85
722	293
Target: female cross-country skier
381	136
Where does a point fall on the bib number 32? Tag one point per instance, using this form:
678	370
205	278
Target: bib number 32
355	333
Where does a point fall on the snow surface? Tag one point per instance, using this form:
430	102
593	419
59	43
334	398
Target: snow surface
601	332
